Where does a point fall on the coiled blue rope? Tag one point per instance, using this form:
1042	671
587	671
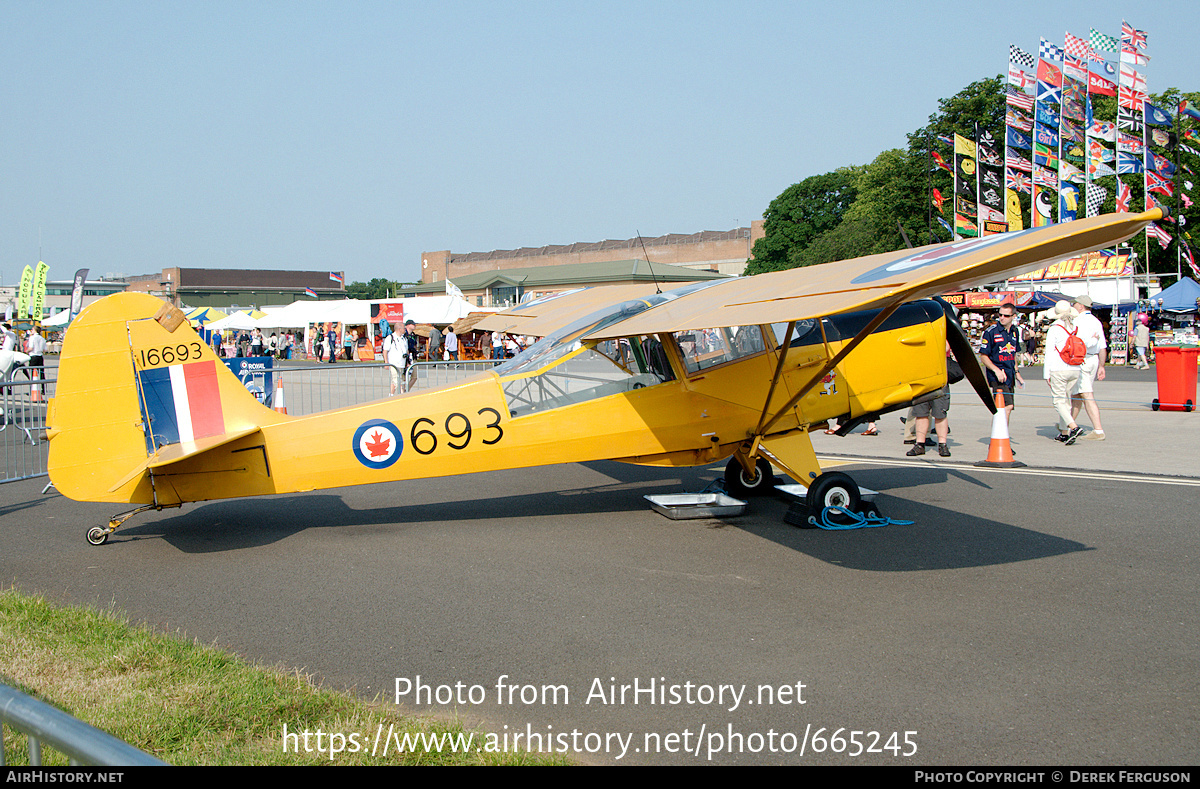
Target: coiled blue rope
857	520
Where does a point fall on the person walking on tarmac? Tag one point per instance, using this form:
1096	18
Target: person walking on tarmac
1092	369
1058	372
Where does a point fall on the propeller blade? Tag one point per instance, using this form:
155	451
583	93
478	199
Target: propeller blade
967	360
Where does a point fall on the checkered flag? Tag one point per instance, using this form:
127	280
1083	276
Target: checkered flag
1101	42
1050	51
1095	199
1019	56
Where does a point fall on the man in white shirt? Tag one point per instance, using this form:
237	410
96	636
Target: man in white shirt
1092	333
395	354
1060	375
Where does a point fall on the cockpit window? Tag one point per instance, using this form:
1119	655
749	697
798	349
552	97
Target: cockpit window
709	347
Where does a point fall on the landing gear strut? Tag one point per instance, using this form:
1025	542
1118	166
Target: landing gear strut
98	535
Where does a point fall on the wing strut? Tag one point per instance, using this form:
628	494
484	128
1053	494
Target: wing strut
883	315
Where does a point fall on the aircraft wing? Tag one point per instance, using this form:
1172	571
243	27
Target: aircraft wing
877	281
543	316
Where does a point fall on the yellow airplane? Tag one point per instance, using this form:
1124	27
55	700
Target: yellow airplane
743	368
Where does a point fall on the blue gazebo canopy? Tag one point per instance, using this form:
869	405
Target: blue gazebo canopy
1180	297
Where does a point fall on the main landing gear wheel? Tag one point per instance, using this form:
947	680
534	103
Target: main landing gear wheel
97	535
739	484
832	489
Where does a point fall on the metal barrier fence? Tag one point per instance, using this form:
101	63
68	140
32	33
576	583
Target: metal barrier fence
309	390
431	375
306	390
81	742
23	421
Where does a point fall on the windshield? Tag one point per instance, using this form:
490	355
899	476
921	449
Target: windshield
566	340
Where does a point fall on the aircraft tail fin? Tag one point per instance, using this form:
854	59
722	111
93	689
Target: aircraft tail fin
138	389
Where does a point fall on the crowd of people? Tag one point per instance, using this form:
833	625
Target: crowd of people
1074	359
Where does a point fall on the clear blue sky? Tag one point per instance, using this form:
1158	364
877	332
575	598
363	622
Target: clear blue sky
355	135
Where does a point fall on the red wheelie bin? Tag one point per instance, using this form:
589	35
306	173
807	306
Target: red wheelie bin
1176	378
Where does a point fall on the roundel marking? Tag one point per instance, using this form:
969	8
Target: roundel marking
377	443
938	254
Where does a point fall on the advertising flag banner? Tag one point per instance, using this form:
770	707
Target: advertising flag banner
24	292
77	291
37	297
1098	84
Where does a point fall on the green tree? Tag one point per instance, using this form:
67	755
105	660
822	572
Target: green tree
375	289
801	213
890	194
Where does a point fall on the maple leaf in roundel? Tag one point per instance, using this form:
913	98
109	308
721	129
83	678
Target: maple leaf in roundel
378	445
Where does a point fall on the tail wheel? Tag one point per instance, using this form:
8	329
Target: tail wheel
833	489
97	535
739	484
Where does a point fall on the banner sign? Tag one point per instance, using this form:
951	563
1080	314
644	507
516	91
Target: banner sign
77	291
1094	264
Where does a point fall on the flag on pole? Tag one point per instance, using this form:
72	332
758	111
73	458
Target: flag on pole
452	289
1019	56
1124	197
1136	38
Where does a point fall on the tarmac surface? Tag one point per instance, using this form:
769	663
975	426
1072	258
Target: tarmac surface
1047	615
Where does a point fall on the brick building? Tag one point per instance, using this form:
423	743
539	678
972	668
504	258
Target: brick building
725	252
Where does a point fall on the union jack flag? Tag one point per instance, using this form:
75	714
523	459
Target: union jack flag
1075	68
1130	99
1018	181
1135	37
1124	196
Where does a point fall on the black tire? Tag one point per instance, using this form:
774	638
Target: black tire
832	489
1154	404
97	535
1188	406
739	484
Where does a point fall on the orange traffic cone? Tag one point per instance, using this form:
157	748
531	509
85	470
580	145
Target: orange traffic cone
1000	454
35	389
277	400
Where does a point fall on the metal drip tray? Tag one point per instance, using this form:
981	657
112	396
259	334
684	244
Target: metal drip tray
682	506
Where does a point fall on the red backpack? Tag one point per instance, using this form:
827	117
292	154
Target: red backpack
1073	351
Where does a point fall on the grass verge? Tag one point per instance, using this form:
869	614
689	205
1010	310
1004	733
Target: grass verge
190	704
